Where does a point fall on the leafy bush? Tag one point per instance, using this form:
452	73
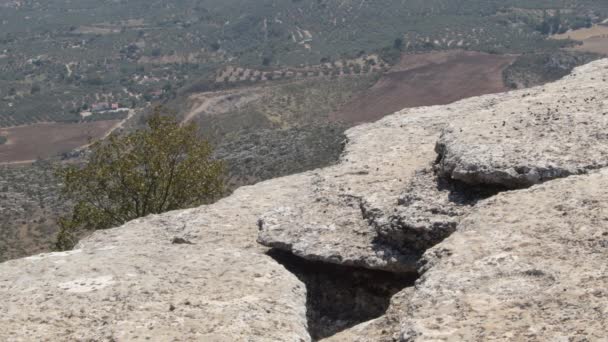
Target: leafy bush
149	171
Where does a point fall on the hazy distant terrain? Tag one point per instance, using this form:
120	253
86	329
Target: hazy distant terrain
57	57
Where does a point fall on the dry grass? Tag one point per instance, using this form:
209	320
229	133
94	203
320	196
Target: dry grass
584	33
594	39
595	45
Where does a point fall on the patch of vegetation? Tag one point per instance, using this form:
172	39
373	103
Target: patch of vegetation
287	105
3	140
557	23
258	155
163	168
30	204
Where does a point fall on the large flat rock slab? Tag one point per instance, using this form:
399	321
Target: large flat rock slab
193	275
524	265
549	132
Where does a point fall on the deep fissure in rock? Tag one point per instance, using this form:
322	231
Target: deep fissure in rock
339	297
467	194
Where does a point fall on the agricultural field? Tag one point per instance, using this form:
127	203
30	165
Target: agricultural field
46	140
281	106
432	78
58	57
592	39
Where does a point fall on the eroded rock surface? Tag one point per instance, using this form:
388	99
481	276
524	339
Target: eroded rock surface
350	213
428	210
548	132
330	220
524	265
193	275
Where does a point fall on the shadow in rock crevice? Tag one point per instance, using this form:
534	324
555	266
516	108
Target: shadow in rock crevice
466	194
340	297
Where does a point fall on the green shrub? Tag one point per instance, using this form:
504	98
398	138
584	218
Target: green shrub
150	171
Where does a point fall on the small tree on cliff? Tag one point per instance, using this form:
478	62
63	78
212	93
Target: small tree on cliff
150	171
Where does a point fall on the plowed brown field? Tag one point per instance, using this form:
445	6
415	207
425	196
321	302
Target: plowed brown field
428	79
27	143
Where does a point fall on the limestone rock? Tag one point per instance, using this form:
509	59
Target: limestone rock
134	283
428	210
502	141
524	265
330	219
320	231
549	132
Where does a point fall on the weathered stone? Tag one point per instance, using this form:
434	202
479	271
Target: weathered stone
427	211
524	265
317	233
547	132
141	282
348	214
329	221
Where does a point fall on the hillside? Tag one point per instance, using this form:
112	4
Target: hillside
481	219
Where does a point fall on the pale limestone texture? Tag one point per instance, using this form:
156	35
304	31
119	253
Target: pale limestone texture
525	265
133	284
378	208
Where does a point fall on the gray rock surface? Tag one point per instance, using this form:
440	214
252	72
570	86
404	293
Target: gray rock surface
351	214
549	132
138	283
329	221
427	211
527	265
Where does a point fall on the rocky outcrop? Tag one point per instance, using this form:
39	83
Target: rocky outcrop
187	275
326	222
524	265
351	213
332	218
495	264
549	132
